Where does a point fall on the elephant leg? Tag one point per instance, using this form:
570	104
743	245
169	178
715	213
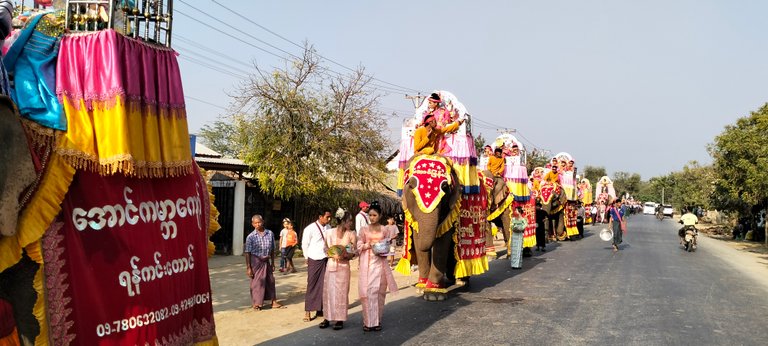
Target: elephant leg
441	250
561	234
423	249
506	222
16	286
490	249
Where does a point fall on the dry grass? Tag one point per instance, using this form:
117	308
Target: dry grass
723	233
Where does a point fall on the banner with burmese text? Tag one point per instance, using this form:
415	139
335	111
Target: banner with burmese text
126	262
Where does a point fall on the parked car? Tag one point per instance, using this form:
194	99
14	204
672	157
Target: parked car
667	210
649	208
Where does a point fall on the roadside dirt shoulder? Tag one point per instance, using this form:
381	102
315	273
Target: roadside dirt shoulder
750	258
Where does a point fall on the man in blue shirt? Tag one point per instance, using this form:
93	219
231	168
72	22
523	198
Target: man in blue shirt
260	261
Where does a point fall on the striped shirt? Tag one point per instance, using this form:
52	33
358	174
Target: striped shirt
260	243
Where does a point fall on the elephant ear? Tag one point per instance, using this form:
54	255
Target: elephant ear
407	194
17	171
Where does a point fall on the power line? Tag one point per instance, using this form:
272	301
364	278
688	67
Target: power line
212	67
228	34
236	29
221	64
487	122
203	101
383	88
267	51
302	47
528	140
209	50
390	89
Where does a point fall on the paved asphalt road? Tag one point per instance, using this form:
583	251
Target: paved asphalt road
581	293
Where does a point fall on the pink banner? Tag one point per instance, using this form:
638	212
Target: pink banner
126	262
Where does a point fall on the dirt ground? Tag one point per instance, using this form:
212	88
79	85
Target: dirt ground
238	324
721	233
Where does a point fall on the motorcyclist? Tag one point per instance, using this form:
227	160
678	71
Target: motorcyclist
688	220
659	209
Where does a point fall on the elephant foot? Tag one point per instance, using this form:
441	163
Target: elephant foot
462	282
422	283
435	296
527	252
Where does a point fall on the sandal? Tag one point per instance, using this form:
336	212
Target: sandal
338	325
279	306
307	318
366	329
257	308
324	324
376	329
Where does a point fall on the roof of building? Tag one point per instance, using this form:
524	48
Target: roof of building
208	158
201	150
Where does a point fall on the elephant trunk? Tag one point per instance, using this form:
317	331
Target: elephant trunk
427	227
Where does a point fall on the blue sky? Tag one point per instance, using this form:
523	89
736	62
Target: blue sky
635	86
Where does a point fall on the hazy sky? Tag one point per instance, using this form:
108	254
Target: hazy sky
636	86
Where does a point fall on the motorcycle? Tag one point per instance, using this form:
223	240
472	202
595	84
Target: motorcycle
690	236
660	215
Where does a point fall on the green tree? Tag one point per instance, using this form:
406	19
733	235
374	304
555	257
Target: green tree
310	130
740	156
224	136
594	173
480	142
651	191
536	158
626	183
693	186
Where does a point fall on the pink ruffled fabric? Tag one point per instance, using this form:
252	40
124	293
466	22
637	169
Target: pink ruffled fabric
98	67
462	149
406	152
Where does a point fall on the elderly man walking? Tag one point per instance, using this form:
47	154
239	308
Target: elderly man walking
260	261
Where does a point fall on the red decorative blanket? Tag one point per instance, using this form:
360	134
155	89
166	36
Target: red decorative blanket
126	262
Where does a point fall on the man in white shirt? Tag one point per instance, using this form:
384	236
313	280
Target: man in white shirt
315	249
361	219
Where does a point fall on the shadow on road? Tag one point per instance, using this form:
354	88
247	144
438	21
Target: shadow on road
406	318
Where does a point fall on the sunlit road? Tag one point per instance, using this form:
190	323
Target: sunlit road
581	293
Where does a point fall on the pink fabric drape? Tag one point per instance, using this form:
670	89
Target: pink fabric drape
99	66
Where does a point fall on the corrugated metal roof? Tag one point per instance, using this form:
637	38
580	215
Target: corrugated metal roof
203	151
221	161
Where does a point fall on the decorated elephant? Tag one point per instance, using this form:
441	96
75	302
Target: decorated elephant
604	195
445	228
17	175
94	184
553	200
500	199
17	171
513	190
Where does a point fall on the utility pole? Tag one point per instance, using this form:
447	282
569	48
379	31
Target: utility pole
416	99
662	195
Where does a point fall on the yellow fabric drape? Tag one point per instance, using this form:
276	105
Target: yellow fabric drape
129	138
38	214
213	225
